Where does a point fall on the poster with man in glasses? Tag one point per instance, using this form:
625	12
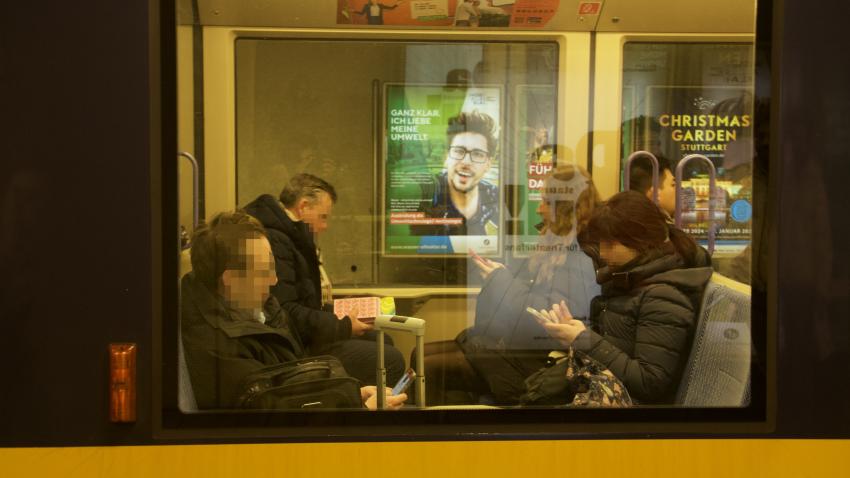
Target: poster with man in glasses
442	171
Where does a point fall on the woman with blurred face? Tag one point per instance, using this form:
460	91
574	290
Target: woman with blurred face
506	344
641	326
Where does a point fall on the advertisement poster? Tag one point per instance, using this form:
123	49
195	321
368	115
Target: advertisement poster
715	122
535	116
442	184
522	14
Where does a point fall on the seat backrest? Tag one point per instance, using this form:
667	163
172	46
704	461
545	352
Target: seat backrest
717	373
185	394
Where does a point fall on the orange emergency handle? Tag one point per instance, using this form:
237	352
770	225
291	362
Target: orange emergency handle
122	383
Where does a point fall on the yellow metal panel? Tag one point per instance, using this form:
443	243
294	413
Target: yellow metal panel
185	123
607	115
630	458
219	120
709	16
574	90
323	14
185	89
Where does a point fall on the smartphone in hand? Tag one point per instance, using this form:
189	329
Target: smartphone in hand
404	382
478	258
537	314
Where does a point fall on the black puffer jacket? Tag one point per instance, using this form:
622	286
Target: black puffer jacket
642	325
222	349
299	287
562	273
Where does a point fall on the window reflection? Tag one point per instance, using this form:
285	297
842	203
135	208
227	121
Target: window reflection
423	179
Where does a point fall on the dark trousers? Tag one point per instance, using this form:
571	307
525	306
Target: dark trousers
505	371
461	370
449	377
359	356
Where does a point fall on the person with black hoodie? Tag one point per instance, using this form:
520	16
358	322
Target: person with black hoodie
642	325
304	290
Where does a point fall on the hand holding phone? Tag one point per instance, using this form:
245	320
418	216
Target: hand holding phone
559	323
477	257
404	382
485	266
542	316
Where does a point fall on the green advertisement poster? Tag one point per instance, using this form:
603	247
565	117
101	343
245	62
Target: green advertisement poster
441	175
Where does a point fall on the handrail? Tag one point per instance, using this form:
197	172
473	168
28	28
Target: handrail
628	173
711	200
195	201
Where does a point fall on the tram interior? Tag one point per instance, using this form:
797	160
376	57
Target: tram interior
269	91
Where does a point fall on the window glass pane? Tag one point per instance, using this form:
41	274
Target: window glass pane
416	187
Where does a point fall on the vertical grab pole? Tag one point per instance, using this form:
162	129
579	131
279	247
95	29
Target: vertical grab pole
420	369
628	173
195	202
381	373
712	182
377	132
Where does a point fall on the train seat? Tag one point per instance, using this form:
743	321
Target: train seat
717	373
185	395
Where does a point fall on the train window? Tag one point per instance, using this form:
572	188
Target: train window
433	213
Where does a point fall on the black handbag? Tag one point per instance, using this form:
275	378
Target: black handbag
575	380
314	382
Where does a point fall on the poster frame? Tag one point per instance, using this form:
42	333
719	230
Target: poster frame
382	156
730	246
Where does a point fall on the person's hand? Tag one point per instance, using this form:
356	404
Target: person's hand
358	327
354	311
560	324
369	395
485	266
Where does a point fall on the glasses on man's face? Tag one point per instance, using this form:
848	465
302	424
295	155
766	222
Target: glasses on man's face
475	155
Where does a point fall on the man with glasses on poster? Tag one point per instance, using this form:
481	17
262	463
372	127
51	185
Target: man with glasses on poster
463	202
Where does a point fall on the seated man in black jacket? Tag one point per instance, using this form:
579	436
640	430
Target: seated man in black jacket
303	289
230	325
